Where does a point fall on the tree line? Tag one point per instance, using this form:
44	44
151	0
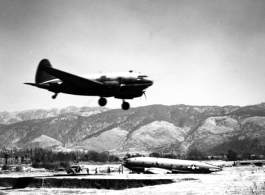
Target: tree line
40	155
195	154
192	154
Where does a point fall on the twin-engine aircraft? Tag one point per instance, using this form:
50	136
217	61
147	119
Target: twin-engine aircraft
165	165
124	85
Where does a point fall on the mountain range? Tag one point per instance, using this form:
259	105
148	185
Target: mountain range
154	128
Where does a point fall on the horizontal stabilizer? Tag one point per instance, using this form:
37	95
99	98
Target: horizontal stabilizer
43	86
33	84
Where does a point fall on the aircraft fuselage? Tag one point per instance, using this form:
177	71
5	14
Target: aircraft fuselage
124	85
165	165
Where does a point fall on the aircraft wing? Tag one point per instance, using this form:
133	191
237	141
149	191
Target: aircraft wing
156	170
70	78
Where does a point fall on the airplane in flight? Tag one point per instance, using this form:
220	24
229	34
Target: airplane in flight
122	85
166	165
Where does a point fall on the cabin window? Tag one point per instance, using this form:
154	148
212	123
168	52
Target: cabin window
141	77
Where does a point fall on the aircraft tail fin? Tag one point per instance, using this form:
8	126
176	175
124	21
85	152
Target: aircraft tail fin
41	75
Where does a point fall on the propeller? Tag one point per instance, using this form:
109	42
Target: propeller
144	95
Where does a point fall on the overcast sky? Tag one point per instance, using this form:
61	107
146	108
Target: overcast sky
197	52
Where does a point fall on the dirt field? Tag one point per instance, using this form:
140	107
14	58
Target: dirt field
232	180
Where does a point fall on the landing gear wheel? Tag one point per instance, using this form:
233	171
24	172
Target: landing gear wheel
102	101
125	105
54	96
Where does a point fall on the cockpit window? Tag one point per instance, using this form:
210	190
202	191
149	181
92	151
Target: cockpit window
142	76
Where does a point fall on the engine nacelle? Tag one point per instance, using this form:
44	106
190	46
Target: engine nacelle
112	83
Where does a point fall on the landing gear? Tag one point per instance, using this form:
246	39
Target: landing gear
54	96
102	101
125	105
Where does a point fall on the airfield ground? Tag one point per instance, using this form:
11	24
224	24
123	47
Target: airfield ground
232	180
